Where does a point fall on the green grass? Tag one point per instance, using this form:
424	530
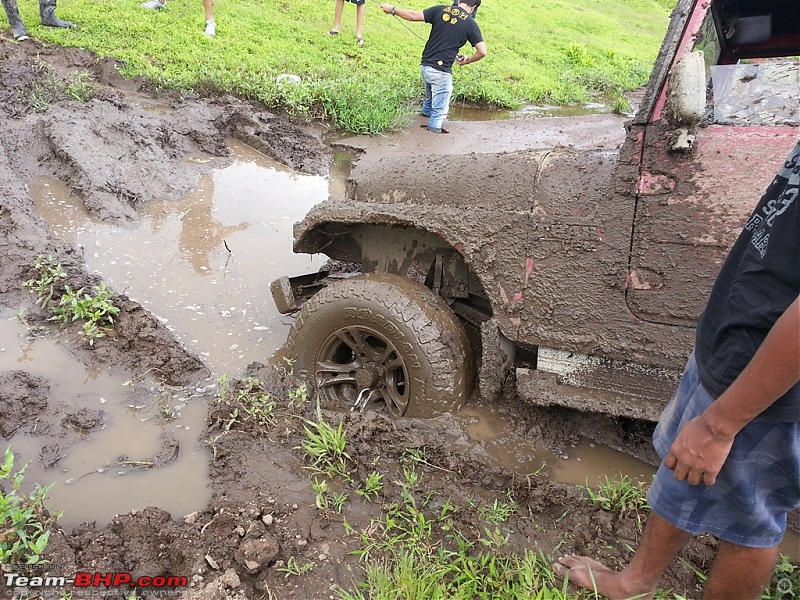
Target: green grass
618	494
26	521
553	51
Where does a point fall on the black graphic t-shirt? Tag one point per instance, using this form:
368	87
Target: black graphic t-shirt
451	28
759	280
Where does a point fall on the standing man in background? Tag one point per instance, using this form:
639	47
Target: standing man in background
451	27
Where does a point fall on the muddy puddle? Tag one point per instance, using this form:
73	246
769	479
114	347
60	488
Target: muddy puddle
108	462
203	265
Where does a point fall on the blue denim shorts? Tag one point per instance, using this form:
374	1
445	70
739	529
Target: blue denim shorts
757	486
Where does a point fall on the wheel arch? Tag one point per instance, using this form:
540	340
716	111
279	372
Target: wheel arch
438	259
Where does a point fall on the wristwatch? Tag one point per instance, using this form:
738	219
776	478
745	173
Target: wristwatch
392	10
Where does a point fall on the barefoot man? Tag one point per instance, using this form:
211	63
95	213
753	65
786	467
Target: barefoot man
730	437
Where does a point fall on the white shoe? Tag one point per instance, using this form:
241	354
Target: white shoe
153	4
211	27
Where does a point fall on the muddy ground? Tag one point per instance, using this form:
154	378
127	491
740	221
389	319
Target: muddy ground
116	152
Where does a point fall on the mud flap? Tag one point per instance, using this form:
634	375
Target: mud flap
497	356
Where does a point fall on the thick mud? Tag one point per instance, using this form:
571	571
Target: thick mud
128	146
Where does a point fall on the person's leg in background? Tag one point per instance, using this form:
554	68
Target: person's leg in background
426	105
337	17
211	25
17	27
441	90
47	13
360	10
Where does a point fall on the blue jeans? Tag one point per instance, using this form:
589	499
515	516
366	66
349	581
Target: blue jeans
438	89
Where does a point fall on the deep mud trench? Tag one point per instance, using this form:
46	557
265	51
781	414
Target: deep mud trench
127	145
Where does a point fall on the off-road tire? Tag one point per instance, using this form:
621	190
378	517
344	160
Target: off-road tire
426	365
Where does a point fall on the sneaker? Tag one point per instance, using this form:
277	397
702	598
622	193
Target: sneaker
360	42
434	129
211	28
154	4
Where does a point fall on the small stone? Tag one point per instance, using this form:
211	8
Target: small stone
267	519
323	556
230	579
255	555
211	562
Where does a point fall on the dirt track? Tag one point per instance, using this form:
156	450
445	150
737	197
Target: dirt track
116	154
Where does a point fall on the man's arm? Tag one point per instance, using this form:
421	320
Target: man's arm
703	444
480	52
403	13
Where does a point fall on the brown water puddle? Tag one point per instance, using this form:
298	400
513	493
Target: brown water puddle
203	264
107	472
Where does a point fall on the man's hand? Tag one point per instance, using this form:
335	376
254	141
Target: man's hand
698	453
387	8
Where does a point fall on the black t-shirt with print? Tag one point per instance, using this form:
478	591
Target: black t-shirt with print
451	28
759	280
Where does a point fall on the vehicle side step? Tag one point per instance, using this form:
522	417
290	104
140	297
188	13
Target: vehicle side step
594	384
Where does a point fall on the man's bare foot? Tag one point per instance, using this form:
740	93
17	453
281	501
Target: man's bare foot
589	574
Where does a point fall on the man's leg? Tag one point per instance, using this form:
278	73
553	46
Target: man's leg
337	17
211	26
12	12
740	572
441	90
47	14
360	10
426	105
660	544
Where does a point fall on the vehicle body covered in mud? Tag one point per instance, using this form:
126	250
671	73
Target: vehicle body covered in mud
576	275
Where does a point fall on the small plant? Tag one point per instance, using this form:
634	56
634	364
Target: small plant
26	520
498	511
78	86
298	397
97	311
321	498
258	404
338	501
50	272
785	581
619	494
248	401
372	486
410	476
294	568
325	446
621	106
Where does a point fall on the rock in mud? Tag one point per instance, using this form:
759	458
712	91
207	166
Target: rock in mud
256	555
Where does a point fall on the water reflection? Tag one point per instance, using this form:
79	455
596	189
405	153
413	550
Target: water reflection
203	264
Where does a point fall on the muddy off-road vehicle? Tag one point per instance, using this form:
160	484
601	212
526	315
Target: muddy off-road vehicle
575	275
